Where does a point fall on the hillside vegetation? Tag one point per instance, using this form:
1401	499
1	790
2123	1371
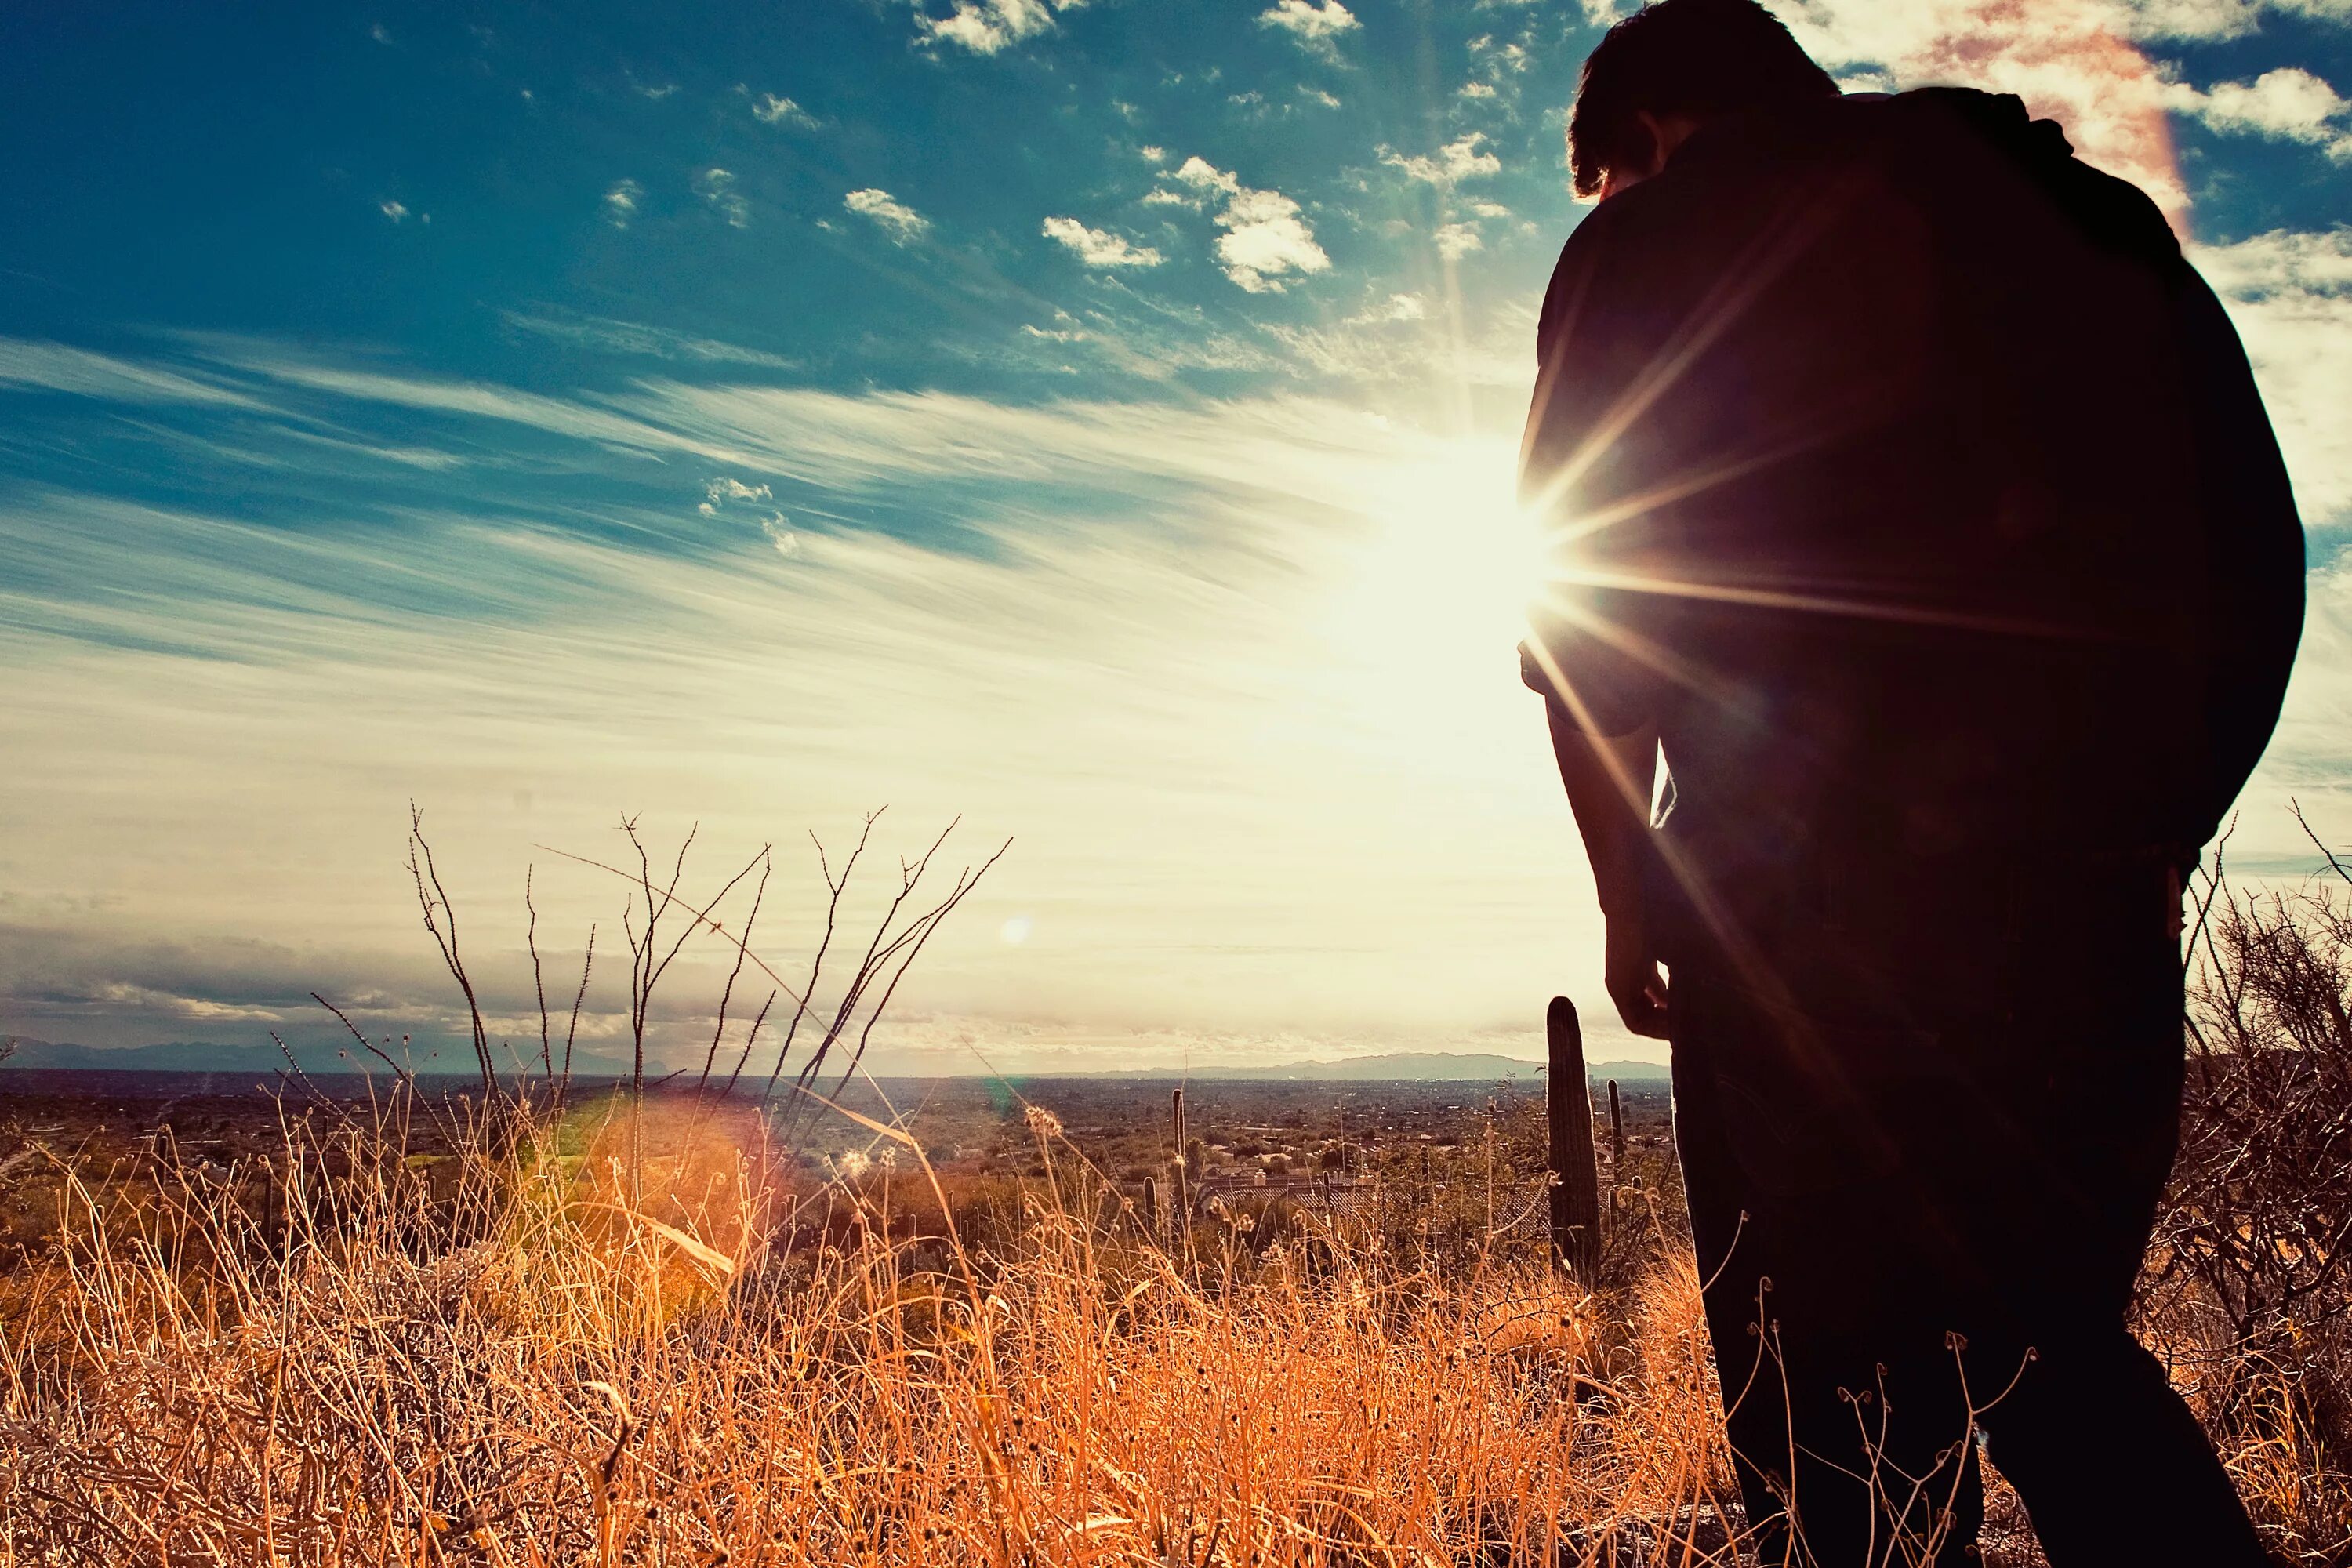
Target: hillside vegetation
628	1329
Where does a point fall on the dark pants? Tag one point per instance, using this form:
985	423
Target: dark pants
1924	1148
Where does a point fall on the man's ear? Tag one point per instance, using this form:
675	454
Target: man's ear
1666	131
1653	157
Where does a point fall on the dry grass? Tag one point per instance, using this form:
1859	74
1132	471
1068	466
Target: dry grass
629	1332
535	1365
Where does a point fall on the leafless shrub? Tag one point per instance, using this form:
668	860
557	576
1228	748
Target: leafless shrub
2247	1287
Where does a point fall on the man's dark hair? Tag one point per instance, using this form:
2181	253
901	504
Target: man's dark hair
1699	58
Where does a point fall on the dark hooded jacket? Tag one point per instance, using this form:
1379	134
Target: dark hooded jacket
1909	481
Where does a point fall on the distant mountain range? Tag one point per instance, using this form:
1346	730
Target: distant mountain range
264	1062
1415	1067
261	1062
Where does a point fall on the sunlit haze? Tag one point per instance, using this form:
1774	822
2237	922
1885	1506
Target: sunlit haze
1095	423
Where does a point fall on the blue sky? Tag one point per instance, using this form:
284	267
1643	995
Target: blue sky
1095	419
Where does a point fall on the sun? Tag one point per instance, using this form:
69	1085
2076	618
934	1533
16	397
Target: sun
1436	590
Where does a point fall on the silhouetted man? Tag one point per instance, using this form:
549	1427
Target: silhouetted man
1912	495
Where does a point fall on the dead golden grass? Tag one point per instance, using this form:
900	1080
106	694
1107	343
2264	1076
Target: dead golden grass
563	1360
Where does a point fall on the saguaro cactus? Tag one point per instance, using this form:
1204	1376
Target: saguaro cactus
1616	1152
1576	1189
1184	1216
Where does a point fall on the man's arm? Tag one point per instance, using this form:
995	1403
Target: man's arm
1609	780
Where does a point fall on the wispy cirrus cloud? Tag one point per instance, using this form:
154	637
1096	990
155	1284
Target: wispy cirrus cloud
34	365
1115	615
610	336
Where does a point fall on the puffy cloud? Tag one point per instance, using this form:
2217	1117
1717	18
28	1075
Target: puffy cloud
900	221
2289	105
985	27
2070	60
723	490
621	202
2220	18
393	210
1097	248
1461	159
1316	24
1203	175
1266	237
717	186
774	110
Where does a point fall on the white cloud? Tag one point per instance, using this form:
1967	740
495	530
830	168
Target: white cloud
392	210
1317	96
603	332
380	33
2291	296
32	365
2070	60
1266	238
1097	248
1461	159
1478	90
1455	240
2289	104
717	186
2220	18
724	489
1153	154
1317	25
1498	60
1203	175
1027	666
1397	308
774	110
985	27
621	202
902	222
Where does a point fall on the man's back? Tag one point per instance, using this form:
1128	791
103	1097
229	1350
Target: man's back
1932	491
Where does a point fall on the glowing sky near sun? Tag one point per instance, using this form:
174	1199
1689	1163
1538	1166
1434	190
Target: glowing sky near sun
1094	420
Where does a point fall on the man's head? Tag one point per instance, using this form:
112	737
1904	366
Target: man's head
1670	68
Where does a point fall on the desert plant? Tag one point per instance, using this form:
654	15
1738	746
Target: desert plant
2249	1288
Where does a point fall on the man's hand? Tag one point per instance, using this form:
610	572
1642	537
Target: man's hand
1632	977
1609	782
